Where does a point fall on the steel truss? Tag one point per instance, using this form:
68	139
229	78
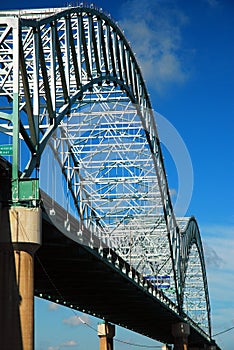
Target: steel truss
70	81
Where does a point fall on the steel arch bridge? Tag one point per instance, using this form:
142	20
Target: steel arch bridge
73	102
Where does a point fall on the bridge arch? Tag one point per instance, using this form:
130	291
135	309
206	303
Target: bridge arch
62	53
195	296
106	57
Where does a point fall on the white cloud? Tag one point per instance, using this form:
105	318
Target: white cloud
66	344
76	320
69	343
154	30
211	257
220	240
53	306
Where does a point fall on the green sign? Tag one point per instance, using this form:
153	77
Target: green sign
6	150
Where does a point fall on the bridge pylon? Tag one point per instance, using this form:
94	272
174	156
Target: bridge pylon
106	333
180	332
20	237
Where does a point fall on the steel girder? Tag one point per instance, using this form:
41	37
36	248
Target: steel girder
69	79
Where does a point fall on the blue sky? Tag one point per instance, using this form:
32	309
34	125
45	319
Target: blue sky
186	52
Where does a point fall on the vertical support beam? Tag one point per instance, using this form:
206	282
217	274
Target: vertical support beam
67	53
20	237
36	98
106	333
15	114
53	65
180	332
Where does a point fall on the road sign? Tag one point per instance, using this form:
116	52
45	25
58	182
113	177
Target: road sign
160	281
6	150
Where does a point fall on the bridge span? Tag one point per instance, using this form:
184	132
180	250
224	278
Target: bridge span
98	281
85	188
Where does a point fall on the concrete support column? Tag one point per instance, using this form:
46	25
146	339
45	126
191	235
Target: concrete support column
180	332
25	280
20	237
106	333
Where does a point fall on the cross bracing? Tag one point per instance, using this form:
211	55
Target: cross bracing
70	81
119	182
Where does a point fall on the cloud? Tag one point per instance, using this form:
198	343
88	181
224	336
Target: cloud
154	30
212	258
68	343
219	239
76	320
53	306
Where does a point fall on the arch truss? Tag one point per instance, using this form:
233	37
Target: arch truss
71	90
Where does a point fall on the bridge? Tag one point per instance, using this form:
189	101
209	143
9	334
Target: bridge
85	203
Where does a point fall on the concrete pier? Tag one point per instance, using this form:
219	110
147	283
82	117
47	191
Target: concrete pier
20	237
106	333
180	332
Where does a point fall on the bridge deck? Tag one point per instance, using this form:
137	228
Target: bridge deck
90	283
66	271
